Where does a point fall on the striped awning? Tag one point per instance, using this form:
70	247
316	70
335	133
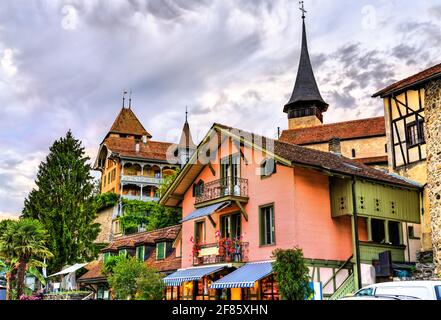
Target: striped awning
205	211
244	277
191	274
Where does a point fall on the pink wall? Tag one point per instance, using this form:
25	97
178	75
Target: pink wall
302	208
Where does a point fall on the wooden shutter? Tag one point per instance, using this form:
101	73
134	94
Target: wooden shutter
140	253
273	231
261	226
160	251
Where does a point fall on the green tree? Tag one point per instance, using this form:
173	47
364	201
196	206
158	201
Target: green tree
8	267
24	241
167	181
150	286
130	278
292	274
64	203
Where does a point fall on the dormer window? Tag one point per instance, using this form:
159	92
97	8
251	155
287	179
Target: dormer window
161	250
140	253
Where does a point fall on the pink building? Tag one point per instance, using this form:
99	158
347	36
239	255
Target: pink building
243	196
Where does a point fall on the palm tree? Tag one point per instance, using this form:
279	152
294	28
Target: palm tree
25	241
8	268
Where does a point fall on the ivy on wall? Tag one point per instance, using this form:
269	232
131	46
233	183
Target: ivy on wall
150	215
106	200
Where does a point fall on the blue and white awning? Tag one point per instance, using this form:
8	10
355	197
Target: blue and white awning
206	211
191	274
244	277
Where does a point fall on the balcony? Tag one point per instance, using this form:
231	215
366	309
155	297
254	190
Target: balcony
236	188
141	179
225	251
370	251
141	198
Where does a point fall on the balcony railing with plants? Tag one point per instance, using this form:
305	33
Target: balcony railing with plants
225	251
222	188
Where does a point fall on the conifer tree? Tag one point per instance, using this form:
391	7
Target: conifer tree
64	203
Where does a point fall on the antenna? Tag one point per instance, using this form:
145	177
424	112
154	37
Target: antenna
130	100
302	8
124	99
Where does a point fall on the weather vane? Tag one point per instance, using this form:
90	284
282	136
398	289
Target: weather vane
186	113
302	8
130	100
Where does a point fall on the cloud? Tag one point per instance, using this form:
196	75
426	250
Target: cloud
64	64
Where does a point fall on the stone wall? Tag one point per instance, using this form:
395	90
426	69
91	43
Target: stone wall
433	137
105	219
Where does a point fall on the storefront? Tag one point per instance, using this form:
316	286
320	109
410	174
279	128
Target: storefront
253	281
195	283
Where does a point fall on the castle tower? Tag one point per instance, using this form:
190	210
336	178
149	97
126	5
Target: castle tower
306	106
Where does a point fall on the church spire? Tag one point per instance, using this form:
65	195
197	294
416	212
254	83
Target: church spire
306	94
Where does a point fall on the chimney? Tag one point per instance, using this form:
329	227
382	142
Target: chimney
335	146
144	139
137	147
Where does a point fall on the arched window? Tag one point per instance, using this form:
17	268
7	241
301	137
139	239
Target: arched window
198	188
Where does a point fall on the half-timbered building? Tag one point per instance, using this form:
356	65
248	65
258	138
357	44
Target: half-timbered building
405	108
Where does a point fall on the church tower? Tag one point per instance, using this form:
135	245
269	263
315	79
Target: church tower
186	146
306	106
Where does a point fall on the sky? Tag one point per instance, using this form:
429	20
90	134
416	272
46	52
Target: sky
65	64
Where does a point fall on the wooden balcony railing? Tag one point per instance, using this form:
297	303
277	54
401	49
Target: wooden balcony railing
222	188
225	251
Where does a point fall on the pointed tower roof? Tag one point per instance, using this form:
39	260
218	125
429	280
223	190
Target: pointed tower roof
127	123
186	139
305	89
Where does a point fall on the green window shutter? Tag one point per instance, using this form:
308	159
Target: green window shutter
273	226
123	252
140	253
106	257
261	227
160	251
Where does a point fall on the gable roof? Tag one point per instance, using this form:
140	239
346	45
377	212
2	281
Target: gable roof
126	147
364	128
285	153
127	123
148	237
413	81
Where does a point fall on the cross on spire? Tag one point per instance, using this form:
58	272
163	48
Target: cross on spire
302	8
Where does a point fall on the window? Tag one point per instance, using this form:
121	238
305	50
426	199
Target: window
140	253
198	189
113	174
269	288
438	292
161	250
267	228
354	154
109	177
106	257
411	233
369	292
104	181
123	252
199	232
378	233
230	175
231	226
415	133
394	233
268	167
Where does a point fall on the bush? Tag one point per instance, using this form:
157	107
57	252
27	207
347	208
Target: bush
292	274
